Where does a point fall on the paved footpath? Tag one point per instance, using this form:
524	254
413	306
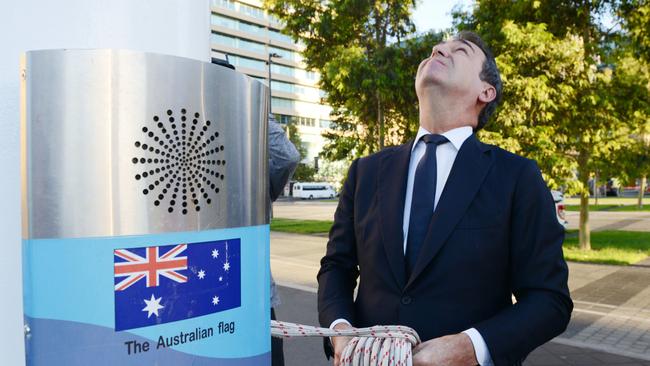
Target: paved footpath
610	324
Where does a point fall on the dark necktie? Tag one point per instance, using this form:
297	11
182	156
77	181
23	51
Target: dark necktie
422	200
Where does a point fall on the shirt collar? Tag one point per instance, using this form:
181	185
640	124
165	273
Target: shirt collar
456	136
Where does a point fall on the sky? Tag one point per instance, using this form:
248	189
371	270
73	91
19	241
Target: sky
435	14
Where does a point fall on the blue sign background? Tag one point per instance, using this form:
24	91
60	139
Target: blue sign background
71	281
208	280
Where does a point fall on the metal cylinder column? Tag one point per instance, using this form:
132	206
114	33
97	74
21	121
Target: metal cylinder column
146	236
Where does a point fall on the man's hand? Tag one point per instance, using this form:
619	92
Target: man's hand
451	350
339	343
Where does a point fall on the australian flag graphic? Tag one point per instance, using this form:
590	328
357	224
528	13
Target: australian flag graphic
162	284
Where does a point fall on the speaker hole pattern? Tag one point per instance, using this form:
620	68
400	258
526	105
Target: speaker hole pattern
180	161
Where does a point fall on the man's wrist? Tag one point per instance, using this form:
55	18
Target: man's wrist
481	351
339	321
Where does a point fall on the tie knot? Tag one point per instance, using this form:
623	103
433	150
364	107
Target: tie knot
434	138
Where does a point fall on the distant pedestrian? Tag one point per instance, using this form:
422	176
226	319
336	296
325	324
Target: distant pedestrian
283	159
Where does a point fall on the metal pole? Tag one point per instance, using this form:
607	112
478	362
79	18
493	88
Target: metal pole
270	93
271	54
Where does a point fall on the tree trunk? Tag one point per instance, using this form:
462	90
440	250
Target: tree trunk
584	234
642	186
380	121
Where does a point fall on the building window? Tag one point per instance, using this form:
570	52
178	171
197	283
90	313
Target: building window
325	123
247	62
239	43
228	4
286	54
282	118
234	24
284	70
224	40
279	36
282	103
306	121
252	11
224	21
301	121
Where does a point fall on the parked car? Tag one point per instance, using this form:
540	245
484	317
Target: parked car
633	191
558	197
313	190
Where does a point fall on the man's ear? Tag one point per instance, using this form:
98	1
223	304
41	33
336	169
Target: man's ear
488	94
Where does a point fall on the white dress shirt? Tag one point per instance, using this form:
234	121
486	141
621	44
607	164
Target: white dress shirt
445	157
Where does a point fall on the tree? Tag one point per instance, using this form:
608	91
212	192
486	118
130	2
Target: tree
638	158
635	15
635	18
333	172
560	107
401	60
634	86
303	172
348	43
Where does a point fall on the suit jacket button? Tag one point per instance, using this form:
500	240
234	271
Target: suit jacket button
406	300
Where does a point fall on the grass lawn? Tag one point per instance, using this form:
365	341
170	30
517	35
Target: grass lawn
301	226
609	247
610	207
608	204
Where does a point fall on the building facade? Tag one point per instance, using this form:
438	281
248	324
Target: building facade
243	31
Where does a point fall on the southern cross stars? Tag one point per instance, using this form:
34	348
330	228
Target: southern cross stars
226	266
215	300
153	305
201	274
215	253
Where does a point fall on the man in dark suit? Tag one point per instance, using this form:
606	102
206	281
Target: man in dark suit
443	231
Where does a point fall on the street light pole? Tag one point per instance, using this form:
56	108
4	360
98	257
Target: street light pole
271	55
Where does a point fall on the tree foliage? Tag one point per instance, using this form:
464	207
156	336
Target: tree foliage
569	99
635	19
304	172
366	67
575	86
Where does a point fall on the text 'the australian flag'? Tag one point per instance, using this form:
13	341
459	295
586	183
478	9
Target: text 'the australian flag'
162	284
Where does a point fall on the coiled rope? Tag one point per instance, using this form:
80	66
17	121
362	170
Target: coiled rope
375	346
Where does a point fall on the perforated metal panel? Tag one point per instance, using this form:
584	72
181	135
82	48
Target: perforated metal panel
126	143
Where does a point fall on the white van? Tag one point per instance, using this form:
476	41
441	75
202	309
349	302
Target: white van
313	190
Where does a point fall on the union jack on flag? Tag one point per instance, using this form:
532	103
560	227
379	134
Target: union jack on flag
150	267
168	283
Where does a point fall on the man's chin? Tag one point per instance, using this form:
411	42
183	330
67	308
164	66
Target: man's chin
429	82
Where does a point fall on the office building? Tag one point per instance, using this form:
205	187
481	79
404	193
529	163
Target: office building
242	30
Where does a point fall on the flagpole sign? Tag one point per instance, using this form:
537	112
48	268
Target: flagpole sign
146	223
175	282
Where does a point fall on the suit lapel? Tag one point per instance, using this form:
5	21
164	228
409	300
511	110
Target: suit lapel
393	175
465	179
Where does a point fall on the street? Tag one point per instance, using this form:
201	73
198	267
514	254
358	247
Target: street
599	220
610	324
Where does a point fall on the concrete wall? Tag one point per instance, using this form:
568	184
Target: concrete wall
174	27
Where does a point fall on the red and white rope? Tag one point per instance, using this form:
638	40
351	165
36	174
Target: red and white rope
380	345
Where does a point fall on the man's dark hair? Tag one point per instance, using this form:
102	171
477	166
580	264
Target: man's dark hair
489	74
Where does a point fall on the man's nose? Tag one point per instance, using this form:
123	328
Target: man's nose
439	50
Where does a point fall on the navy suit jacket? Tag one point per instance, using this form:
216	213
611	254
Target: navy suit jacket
494	234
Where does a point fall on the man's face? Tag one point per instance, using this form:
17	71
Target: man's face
454	65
